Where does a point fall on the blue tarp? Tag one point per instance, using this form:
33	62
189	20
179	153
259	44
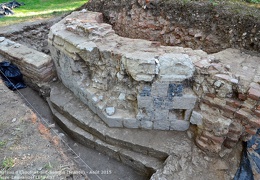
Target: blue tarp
11	76
250	162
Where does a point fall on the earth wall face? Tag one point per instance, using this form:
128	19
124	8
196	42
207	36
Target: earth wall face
197	25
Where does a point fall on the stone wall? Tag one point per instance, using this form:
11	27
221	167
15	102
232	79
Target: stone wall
37	67
136	83
229	93
130	83
197	25
31	34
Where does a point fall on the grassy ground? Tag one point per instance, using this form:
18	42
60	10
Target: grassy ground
38	9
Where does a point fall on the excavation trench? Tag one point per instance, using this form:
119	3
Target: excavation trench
134	95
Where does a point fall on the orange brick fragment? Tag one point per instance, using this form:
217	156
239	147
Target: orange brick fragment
43	130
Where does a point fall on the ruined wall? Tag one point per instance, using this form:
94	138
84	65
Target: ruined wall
136	83
229	94
197	25
37	68
129	83
31	34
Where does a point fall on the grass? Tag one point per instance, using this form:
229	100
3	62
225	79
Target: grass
2	144
40	9
8	163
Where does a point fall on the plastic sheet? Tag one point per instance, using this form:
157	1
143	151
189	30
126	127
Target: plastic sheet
11	76
6	8
250	162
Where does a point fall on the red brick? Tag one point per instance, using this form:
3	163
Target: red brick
213	137
218	103
204	139
247	105
242	97
257	113
231	140
205	101
209	102
251	130
211	95
247	126
235	128
254	122
201	144
229	111
233	103
229	144
243	114
254	94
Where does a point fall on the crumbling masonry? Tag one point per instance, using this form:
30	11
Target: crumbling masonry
134	83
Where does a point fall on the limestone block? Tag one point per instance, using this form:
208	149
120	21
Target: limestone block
187	114
113	121
196	118
88	52
146	91
144	101
185	102
158	102
160	115
161	125
180	125
160	89
131	123
146	124
70	48
90	92
140	65
58	41
175	67
90	103
100	105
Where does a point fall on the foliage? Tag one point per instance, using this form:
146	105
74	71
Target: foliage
2	144
8	163
38	9
253	1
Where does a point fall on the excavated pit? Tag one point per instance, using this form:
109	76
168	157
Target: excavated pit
197	25
129	90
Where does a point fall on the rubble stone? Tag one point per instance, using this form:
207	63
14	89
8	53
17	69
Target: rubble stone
196	118
110	111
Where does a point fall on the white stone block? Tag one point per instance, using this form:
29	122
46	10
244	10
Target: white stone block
131	123
180	125
175	67
146	124
161	125
196	118
110	111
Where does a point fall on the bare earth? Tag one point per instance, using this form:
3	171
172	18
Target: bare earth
28	149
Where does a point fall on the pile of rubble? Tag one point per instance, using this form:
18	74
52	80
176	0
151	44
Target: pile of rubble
6	8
